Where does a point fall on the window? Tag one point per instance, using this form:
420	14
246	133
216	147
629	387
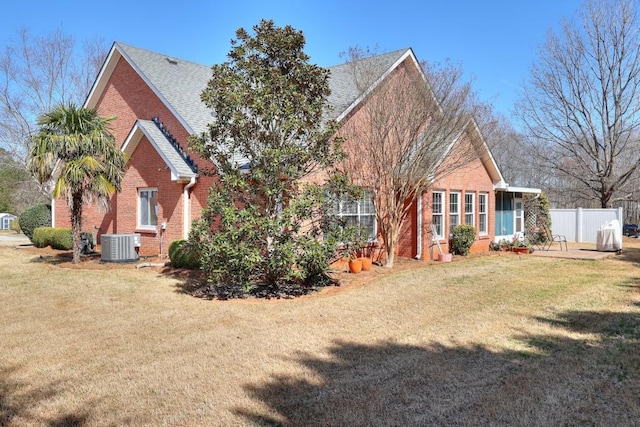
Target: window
482	213
469	208
454	210
147	208
358	212
437	212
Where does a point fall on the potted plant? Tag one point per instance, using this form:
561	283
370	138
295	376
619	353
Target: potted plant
355	250
520	246
365	253
355	264
350	252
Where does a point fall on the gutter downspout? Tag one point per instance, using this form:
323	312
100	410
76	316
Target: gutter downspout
419	231
186	208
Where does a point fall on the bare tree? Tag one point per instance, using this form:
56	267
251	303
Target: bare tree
581	109
405	125
36	74
507	147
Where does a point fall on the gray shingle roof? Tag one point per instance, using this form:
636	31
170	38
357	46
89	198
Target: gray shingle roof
181	82
346	88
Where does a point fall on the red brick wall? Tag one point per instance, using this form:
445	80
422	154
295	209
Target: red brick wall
146	169
128	98
469	176
472	177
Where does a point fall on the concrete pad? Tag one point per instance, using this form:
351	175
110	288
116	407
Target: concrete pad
585	251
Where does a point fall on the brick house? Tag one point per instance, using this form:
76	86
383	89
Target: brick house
156	101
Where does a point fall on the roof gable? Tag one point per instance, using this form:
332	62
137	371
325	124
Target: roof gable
347	92
177	83
178	165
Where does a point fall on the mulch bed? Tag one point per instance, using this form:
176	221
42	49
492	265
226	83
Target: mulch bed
192	281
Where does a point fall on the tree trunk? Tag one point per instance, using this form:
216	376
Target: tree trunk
76	225
390	238
390	252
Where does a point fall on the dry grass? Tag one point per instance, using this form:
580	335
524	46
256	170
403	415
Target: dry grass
498	340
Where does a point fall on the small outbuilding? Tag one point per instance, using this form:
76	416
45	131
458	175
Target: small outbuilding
5	220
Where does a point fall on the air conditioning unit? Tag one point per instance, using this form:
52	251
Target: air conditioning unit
119	247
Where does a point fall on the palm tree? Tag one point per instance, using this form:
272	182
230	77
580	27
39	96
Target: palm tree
76	151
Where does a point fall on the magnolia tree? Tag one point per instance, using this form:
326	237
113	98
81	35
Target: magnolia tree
262	227
407	124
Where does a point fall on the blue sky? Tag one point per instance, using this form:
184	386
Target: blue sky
495	41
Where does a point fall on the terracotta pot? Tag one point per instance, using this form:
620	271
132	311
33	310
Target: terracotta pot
520	250
355	265
366	263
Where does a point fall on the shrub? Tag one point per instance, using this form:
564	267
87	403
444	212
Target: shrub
316	259
15	225
462	238
61	239
57	238
183	255
32	218
41	236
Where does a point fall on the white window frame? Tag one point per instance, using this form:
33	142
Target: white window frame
454	209
364	208
483	213
470	208
140	224
437	211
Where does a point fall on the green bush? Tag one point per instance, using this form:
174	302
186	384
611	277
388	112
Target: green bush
61	239
316	259
462	238
32	218
183	255
57	238
41	237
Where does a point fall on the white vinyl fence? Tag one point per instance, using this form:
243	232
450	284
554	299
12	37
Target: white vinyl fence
582	225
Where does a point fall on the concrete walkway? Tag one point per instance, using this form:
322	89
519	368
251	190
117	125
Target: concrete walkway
586	251
13	239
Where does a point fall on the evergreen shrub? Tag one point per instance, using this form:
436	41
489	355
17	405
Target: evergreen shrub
57	238
183	255
34	217
462	238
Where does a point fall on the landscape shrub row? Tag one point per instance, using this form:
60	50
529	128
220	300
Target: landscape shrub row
57	238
